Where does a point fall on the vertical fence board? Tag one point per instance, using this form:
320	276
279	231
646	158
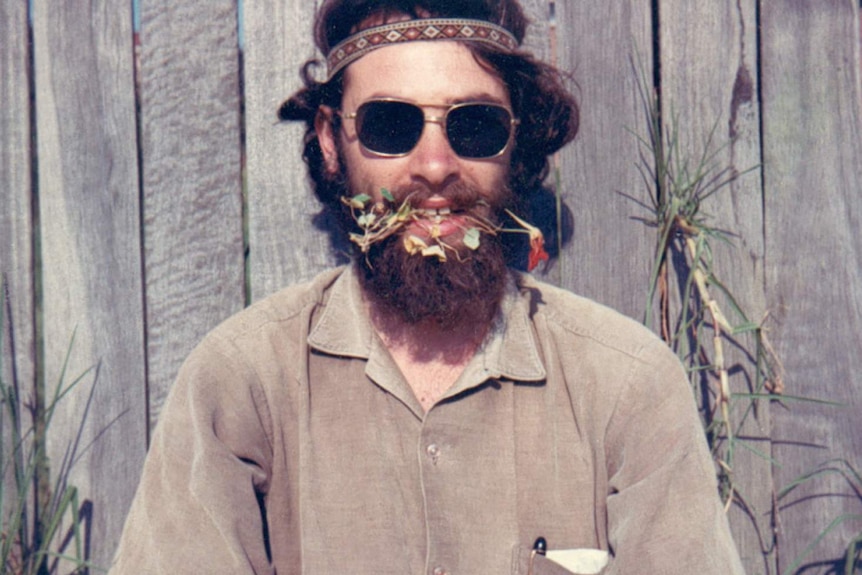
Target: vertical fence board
537	39
190	124
610	256
812	145
91	256
284	245
17	337
709	88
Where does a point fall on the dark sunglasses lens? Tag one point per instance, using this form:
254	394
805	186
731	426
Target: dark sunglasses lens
478	130
389	127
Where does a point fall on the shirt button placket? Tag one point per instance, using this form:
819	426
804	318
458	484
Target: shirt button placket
433	451
436	479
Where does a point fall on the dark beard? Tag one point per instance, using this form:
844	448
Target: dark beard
461	292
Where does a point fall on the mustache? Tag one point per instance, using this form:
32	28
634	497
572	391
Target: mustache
459	195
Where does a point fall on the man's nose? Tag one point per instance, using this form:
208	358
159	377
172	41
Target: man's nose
432	161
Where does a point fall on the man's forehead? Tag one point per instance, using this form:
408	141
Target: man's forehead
430	73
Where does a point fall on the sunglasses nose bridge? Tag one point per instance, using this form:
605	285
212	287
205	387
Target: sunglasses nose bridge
439	120
435	140
432	159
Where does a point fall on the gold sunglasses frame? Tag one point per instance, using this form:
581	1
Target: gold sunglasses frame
439	120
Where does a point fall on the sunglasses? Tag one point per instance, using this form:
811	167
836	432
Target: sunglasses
392	128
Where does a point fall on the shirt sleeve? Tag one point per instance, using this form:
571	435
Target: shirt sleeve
664	513
199	505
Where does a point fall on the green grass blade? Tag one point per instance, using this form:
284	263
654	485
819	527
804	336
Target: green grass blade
831	527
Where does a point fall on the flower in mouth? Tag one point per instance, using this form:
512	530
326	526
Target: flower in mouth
537	243
416	245
379	220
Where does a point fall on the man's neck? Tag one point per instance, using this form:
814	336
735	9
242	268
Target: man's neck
430	358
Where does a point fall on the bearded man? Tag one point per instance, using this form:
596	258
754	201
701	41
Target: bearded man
427	409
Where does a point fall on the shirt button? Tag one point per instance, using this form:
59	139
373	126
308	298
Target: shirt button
433	452
440	571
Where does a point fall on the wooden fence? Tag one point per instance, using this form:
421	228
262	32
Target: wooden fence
148	193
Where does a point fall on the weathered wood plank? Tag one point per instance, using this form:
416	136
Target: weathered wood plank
538	35
812	144
284	246
708	55
610	257
190	138
90	234
17	337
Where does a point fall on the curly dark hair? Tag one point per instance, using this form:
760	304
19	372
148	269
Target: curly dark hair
547	111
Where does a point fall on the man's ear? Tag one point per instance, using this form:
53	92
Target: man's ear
323	126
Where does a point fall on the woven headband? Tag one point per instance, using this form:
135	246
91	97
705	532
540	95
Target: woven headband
365	41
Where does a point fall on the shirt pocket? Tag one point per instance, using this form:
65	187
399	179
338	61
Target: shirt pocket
577	562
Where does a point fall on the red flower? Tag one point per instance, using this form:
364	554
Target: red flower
537	243
537	251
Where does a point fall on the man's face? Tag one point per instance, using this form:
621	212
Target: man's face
449	191
434	75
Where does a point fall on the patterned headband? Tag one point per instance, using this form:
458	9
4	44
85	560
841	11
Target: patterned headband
363	42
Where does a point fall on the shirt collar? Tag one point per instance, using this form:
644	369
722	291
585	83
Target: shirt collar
510	351
344	327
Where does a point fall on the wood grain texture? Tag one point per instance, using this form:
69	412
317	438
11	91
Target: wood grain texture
90	234
538	38
17	337
709	87
610	256
190	124
812	145
284	245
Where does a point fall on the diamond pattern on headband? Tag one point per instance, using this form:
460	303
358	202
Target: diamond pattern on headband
359	44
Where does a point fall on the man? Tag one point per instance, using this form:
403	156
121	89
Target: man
426	409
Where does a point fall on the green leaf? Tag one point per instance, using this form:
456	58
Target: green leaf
360	200
387	195
745	328
471	238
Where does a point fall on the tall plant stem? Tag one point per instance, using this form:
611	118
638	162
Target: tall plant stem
720	325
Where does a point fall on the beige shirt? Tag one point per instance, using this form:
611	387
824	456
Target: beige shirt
291	443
